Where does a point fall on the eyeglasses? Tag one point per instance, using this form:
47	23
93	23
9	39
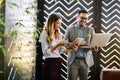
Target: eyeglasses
83	18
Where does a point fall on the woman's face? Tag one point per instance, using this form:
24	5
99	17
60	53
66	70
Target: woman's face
57	24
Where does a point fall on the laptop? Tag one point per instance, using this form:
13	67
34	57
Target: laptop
100	39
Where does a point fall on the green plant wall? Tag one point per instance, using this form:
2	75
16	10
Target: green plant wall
20	23
2	36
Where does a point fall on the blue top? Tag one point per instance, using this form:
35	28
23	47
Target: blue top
80	52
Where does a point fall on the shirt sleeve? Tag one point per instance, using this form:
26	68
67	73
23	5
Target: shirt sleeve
45	47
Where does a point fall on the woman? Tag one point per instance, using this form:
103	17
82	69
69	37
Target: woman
52	46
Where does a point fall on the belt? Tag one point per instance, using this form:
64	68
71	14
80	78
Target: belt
79	58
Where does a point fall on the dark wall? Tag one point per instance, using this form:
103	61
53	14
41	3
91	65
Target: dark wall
104	17
39	60
1	66
68	10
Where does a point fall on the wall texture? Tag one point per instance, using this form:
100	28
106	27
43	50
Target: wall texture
110	23
104	17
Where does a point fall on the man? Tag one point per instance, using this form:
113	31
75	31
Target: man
79	61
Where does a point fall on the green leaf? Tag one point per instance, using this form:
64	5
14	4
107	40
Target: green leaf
19	24
0	39
2	23
1	71
11	4
13	34
2	47
2	14
37	33
27	10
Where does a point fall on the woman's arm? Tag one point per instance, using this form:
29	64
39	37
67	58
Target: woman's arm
60	43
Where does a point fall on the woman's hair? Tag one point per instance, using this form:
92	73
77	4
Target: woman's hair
50	28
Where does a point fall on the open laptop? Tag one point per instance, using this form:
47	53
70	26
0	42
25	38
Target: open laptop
100	39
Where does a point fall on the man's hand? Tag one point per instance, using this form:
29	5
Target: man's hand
95	48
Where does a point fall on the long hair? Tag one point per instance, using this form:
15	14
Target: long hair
50	28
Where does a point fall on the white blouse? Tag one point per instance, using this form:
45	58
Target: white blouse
46	48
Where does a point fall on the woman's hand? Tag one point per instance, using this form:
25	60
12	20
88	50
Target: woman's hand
82	43
62	42
74	48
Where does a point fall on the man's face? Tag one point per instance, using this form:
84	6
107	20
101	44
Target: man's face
82	19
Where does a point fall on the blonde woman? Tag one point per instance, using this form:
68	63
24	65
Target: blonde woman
52	45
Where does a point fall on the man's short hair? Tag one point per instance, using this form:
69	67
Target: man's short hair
82	11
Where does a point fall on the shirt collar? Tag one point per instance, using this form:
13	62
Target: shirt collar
80	27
